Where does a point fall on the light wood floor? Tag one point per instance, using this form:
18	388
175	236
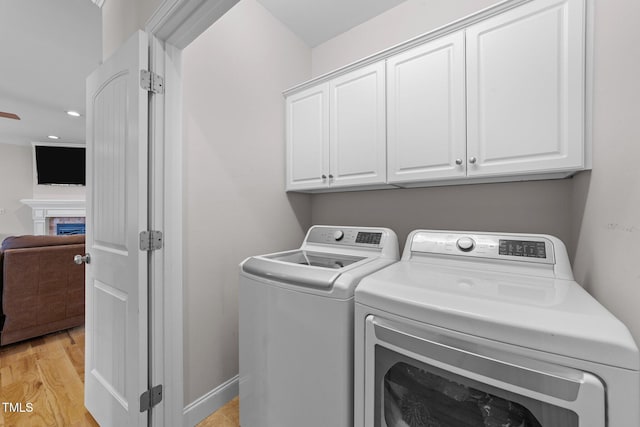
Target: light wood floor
48	373
227	416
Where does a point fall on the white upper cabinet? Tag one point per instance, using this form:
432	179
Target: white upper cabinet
357	139
307	118
336	133
498	96
525	90
426	112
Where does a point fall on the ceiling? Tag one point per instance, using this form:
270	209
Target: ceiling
316	21
48	49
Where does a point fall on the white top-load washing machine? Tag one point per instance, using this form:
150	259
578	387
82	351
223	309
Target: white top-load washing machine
296	327
482	329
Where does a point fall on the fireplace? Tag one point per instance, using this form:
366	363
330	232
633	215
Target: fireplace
66	225
70	228
48	214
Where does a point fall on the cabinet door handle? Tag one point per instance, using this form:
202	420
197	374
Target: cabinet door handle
458	162
472	160
330	176
324	176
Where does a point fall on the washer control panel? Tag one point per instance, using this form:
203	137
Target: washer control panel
346	236
514	247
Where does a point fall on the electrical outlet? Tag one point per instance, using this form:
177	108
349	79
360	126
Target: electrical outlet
3	211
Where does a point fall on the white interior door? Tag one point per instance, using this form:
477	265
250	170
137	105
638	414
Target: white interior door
116	359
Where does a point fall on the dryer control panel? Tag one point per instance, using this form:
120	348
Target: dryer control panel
508	246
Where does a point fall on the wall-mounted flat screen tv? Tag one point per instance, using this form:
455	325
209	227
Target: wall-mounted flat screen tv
60	165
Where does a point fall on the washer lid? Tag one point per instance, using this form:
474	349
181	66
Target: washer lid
316	259
547	314
303	268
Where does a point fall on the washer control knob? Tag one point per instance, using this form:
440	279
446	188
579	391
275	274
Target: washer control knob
338	235
465	244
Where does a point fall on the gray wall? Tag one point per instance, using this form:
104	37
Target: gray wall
597	213
533	207
606	207
234	200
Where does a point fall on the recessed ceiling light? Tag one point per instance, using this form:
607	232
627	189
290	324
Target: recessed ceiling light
73	113
53	137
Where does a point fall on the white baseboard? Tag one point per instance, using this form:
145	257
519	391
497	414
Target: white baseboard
207	404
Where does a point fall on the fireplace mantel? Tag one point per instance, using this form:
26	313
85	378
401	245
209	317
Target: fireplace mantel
50	208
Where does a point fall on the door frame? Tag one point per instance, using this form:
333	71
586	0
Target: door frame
172	27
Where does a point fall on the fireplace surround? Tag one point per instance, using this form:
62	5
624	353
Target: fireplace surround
44	211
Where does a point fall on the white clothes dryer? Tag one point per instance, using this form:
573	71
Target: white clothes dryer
296	327
483	329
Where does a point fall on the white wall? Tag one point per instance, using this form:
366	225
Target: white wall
122	18
606	206
16	183
405	21
58	192
597	213
234	200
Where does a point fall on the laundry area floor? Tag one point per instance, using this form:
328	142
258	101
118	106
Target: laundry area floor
227	416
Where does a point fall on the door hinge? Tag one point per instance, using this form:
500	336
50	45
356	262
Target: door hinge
150	398
150	240
151	82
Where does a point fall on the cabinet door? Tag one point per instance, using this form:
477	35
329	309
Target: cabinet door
358	140
308	138
525	80
426	112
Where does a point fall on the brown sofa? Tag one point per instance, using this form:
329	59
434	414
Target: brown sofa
42	288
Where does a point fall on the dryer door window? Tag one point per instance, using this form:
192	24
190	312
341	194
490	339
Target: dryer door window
415	394
417	375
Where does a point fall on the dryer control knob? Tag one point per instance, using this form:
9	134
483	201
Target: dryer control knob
465	244
338	235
